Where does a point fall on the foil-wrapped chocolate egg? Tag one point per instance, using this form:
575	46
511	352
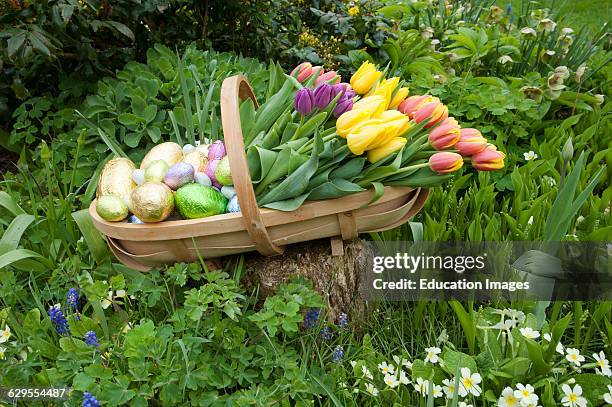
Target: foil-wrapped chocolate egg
197	159
233	205
188	148
116	178
178	175
138	176
152	202
223	173
197	201
170	152
156	171
228	192
111	208
202	179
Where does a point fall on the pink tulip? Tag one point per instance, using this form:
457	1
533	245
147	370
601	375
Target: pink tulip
488	159
411	104
434	111
327	77
445	135
445	162
470	142
303	71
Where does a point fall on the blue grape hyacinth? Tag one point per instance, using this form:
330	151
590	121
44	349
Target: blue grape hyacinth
338	354
60	323
312	316
343	320
326	333
89	400
91	339
73	299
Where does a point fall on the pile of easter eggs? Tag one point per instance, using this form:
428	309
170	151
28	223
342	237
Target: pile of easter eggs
172	183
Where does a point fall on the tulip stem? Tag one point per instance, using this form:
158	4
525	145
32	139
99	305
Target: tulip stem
400	171
308	145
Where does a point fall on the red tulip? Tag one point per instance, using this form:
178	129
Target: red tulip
445	162
445	135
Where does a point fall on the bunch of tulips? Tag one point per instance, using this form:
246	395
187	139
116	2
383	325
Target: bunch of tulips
320	138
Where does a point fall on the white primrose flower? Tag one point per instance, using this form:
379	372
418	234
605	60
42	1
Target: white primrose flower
449	387
602	362
403	379
353	363
432	354
421	386
464	404
365	372
437	391
523	392
547	337
573	397
608	395
401	361
2	350
507	399
573	356
530	156
386	369
371	389
391	381
469	383
529	333
560	349
5	334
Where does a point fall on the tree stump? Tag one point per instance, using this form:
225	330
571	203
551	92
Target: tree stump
336	277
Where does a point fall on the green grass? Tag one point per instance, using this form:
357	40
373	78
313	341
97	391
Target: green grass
592	14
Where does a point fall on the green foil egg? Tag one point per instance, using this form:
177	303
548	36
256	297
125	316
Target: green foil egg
111	208
199	201
152	202
222	172
156	171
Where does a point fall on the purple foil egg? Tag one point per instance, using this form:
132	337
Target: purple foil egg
211	167
216	151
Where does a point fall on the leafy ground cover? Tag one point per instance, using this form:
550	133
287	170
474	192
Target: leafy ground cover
186	335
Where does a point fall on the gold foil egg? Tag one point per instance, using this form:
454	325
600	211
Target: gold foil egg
116	178
152	202
169	152
197	159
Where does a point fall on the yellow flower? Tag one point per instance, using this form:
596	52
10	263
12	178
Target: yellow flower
375	104
353	11
348	120
360	140
397	118
365	77
399	96
395	144
386	88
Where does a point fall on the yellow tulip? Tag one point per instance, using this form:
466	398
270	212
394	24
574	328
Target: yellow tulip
365	77
375	104
360	140
400	95
395	144
386	89
348	120
398	118
392	130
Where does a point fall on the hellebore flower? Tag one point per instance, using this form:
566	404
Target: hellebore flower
445	162
344	105
361	138
446	135
393	145
386	88
328	77
375	104
488	159
323	95
470	142
349	120
400	95
303	71
365	77
304	101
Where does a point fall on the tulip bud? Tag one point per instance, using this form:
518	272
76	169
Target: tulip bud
304	101
434	111
386	88
445	162
348	120
411	104
375	104
391	147
317	71
345	90
328	77
361	138
398	98
303	71
344	105
445	135
568	150
323	94
365	77
216	151
470	142
396	118
488	159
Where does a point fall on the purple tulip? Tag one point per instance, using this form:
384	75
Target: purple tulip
210	170
323	94
345	90
216	151
344	105
304	101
